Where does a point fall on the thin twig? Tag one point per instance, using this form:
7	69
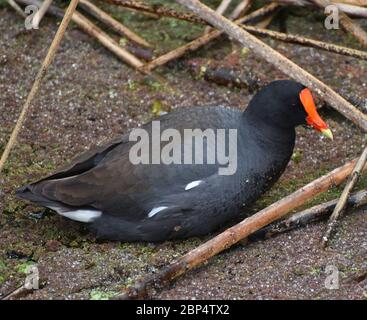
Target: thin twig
113	23
158	10
286	37
220	10
264	23
352	10
87	26
240	9
362	3
21	291
40	13
338	211
90	28
223	6
278	60
37	83
316	213
17	9
205	39
238	232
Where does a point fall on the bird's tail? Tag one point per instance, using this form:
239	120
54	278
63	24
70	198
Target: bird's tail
28	193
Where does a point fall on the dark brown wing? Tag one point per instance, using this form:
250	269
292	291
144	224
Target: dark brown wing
105	179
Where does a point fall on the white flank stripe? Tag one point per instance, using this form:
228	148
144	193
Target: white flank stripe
80	215
154	211
193	184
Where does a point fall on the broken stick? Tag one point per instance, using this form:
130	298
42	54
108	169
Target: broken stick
106	40
113	23
205	39
290	38
90	28
240	9
17	293
264	23
239	231
313	214
352	10
37	82
17	9
278	60
344	197
158	10
40	13
220	10
362	3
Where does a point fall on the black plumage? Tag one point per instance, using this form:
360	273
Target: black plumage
103	180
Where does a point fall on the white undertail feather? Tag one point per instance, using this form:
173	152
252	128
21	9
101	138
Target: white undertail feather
81	215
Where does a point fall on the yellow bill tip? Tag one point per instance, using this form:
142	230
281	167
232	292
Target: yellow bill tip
327	133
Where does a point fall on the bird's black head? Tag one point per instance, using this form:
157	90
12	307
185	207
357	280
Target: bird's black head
285	104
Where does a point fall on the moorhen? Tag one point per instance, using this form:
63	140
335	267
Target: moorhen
136	196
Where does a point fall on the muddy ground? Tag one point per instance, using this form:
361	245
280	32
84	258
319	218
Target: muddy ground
89	96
